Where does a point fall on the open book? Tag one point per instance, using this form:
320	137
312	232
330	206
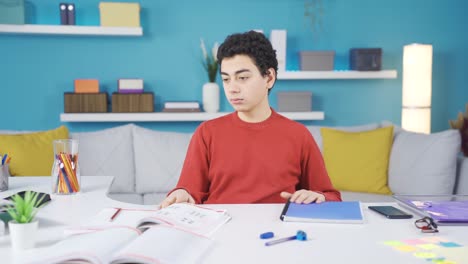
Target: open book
188	217
176	234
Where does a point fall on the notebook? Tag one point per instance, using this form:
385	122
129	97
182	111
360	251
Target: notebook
179	233
444	209
325	212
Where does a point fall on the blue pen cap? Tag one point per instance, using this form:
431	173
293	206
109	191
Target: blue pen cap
267	235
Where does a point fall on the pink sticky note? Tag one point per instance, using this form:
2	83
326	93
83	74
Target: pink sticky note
414	241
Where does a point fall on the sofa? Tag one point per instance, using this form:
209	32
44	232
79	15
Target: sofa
146	163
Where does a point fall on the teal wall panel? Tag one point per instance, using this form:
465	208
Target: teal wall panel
36	69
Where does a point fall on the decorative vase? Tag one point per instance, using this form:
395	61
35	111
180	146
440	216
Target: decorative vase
22	235
211	97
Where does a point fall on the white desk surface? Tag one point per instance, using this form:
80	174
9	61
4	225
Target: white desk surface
238	241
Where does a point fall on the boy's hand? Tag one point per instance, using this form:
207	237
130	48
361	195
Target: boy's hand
304	196
177	196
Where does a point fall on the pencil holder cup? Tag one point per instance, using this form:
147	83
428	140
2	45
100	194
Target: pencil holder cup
4	174
65	170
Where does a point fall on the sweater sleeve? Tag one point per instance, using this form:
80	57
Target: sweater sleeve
314	174
194	175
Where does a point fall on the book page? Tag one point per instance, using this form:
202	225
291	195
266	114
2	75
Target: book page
96	247
163	244
125	217
192	218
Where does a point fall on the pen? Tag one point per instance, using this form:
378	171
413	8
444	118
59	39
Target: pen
115	214
300	235
4	158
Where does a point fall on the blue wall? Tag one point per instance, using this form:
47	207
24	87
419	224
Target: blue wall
36	70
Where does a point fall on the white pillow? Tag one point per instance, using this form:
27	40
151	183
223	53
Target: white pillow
108	152
315	131
462	181
423	164
159	157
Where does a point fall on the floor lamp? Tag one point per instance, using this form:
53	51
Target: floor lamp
417	88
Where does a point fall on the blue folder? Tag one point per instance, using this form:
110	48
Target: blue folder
325	212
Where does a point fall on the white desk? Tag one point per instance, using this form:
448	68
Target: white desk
238	241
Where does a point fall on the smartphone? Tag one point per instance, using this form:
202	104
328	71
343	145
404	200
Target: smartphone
390	212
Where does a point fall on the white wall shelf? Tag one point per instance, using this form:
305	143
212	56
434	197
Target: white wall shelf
168	117
309	75
70	30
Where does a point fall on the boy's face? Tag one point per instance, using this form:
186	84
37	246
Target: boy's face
244	86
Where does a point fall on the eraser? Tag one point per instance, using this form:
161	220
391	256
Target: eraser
267	235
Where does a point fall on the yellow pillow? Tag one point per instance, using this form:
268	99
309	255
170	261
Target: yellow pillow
32	154
358	161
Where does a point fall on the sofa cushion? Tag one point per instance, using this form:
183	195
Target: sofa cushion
159	157
154	198
315	131
32	154
461	185
423	164
358	161
366	197
108	152
133	198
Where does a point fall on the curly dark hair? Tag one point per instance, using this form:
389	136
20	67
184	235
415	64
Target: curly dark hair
253	44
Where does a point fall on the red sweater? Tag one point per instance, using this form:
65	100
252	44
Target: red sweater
231	161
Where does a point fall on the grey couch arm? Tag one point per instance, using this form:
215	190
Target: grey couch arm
461	184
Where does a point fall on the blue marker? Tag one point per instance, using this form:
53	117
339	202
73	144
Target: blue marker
300	235
4	158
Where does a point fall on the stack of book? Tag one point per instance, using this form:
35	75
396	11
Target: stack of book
181	107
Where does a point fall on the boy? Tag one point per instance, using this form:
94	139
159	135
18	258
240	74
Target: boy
253	155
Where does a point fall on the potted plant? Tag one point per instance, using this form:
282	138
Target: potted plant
210	89
23	226
462	125
313	14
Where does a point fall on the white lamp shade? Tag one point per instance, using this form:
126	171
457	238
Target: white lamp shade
416	120
417	87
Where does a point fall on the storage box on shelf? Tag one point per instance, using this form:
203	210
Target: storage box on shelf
365	59
115	14
85	102
131	103
317	60
12	12
294	101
